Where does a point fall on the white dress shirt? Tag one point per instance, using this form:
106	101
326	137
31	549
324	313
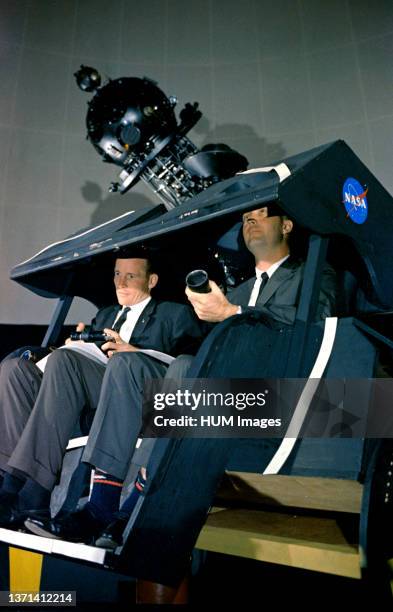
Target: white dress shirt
132	317
270	271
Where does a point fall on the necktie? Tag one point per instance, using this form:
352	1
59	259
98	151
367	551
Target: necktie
116	326
257	289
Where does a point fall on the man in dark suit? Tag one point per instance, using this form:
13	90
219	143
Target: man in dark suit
275	289
38	415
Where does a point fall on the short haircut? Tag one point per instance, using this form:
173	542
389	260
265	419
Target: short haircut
138	253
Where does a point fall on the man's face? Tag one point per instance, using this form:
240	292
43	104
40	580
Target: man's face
132	282
259	230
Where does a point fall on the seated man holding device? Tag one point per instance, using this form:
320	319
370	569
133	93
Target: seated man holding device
39	412
275	288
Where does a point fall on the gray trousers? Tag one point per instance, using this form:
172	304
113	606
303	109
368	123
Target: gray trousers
20	382
118	419
117	424
71	382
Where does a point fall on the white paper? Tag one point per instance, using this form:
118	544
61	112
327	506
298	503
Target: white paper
92	351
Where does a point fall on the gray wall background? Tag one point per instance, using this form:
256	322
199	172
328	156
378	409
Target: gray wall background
273	78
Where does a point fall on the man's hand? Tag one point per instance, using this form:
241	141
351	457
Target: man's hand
213	306
80	327
117	345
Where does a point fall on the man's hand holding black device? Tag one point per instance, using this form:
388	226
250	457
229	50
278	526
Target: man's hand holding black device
207	299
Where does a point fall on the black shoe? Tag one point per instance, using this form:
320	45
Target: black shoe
15	519
6	510
10	518
112	536
79	526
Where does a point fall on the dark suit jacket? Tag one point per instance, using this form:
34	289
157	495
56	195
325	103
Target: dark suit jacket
165	326
280	296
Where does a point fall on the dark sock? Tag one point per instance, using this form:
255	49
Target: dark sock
12	484
33	496
129	504
105	496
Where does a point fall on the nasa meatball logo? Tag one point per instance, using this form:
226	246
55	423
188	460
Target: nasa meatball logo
355	200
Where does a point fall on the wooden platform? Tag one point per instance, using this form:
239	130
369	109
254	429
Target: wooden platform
332	494
310	523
